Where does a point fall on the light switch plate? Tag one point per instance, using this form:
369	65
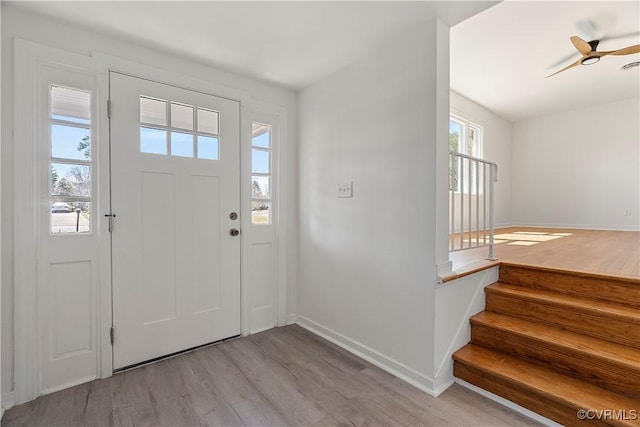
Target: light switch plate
345	189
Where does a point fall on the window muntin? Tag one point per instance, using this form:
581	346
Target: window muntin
70	130
261	195
177	129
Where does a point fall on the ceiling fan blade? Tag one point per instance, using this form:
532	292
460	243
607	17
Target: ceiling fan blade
626	51
566	68
619	36
590	29
559	62
582	46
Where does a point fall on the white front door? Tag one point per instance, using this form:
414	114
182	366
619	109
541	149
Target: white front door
175	200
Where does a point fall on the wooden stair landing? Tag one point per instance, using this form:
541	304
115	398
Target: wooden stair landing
557	343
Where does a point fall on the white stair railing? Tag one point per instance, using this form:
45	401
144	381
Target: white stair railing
471	191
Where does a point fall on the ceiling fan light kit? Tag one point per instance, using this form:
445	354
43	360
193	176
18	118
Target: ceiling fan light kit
590	60
590	55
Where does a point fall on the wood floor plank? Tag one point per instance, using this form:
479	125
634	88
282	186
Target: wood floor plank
208	406
132	404
280	377
276	383
238	390
606	252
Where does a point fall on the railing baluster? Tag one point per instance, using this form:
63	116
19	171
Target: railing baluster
493	178
462	203
463	170
452	184
484	204
470	187
477	203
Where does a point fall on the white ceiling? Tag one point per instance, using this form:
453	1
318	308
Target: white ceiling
292	44
500	57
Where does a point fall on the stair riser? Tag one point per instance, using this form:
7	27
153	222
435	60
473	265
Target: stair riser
601	288
616	329
513	391
582	365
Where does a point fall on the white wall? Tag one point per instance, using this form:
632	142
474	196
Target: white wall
456	301
497	136
366	264
579	168
51	33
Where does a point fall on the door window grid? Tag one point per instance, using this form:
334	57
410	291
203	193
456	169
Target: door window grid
178	129
70	190
261	196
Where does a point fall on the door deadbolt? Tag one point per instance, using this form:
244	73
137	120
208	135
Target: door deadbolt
234	232
233	216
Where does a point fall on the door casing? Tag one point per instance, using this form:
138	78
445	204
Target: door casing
26	57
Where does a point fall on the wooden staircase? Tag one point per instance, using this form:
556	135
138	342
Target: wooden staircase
559	343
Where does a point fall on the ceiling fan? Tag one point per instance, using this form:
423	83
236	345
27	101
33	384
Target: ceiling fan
590	55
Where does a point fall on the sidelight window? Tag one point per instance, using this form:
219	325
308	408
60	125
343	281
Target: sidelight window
70	161
261	174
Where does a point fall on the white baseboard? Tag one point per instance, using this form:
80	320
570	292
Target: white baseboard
381	361
8	400
509	404
581	226
291	319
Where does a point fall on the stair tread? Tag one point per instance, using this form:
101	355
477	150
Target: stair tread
542	381
549	297
634	281
618	353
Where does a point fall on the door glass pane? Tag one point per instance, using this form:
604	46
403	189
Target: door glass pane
153	111
260	212
71	105
70	217
181	116
181	144
260	135
208	121
260	187
153	141
70	180
259	161
208	147
70	142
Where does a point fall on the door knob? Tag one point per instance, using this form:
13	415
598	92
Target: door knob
234	232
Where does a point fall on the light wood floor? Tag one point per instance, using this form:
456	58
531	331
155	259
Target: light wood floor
615	253
285	376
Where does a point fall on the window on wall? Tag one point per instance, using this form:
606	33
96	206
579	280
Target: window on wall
70	162
261	174
465	137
